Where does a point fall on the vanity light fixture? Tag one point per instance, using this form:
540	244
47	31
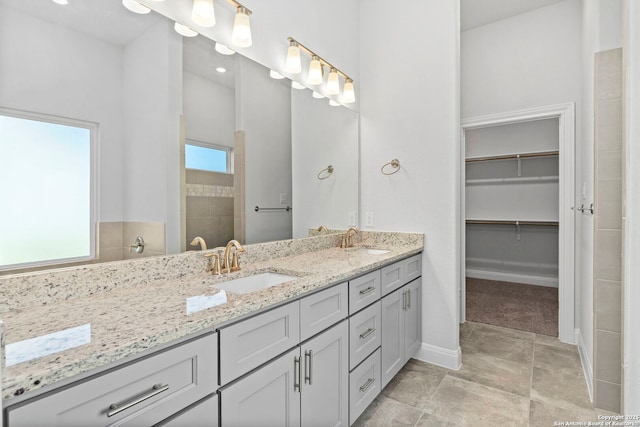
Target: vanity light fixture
315	71
183	30
224	50
317	95
316	68
293	64
203	13
296	85
241	35
135	7
275	75
333	103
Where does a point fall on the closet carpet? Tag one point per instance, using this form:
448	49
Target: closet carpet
513	305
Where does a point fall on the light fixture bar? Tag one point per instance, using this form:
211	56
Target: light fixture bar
312	54
247	11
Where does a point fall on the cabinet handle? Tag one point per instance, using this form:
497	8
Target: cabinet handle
296	373
367	333
308	362
155	390
404	300
367	385
367	290
408	299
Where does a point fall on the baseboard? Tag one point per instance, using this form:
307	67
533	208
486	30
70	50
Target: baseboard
551	282
586	364
451	359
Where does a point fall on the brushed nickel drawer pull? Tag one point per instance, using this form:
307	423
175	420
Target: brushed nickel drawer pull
296	373
404	300
367	385
408	299
155	390
308	362
367	333
367	290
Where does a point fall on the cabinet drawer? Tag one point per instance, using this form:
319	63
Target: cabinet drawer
252	342
400	273
323	310
365	330
364	386
142	393
363	291
201	414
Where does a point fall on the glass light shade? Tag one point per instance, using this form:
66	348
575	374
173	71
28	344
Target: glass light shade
293	64
221	69
183	30
61	1
136	7
224	50
317	95
297	85
315	71
275	75
348	94
333	82
333	103
203	13
241	35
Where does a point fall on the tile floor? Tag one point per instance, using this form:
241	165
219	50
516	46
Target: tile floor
508	378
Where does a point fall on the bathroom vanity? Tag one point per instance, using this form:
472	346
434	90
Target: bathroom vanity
168	344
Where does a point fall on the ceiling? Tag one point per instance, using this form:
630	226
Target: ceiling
476	13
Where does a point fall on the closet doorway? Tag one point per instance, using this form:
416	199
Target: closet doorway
518	221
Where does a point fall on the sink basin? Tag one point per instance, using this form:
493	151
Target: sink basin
245	285
368	251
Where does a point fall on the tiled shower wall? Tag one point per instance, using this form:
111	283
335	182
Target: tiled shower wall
209	209
114	239
607	301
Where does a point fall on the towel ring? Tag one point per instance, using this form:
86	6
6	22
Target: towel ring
328	170
395	164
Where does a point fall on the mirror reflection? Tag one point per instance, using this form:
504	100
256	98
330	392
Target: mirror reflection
156	100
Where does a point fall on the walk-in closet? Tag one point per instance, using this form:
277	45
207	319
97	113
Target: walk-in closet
512	218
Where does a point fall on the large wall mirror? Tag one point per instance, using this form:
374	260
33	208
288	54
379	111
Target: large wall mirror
149	96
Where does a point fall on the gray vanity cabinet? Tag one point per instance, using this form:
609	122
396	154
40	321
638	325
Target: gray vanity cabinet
401	328
306	386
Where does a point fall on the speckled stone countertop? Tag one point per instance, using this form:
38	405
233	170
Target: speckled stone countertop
108	312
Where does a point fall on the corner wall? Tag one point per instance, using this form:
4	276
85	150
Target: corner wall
409	110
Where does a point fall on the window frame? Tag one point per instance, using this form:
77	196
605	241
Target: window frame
93	128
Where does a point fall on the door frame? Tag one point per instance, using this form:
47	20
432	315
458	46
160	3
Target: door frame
565	113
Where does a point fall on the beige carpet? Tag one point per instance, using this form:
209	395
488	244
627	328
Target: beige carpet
513	305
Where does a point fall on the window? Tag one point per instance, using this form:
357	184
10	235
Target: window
208	157
46	197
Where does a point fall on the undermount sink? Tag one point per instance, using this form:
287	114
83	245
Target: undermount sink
245	285
368	251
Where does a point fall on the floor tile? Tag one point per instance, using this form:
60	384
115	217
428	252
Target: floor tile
544	415
429	420
514	345
470	404
466	329
413	388
557	359
559	389
506	375
388	412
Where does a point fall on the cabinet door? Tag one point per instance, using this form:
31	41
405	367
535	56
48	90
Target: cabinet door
412	318
392	335
325	385
201	414
269	396
322	310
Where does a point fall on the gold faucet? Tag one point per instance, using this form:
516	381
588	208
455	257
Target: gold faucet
233	264
213	267
347	238
322	229
198	239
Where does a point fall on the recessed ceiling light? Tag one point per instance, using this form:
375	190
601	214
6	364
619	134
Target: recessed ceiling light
221	69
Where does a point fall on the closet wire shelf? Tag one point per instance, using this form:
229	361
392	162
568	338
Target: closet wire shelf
513	156
513	222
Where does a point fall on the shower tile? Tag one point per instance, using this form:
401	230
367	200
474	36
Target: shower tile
609	204
608	255
608	357
608	396
608	74
109	235
608	303
609	165
608	125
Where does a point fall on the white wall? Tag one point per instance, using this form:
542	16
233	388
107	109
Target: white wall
631	224
48	69
409	110
263	111
152	103
209	110
329	138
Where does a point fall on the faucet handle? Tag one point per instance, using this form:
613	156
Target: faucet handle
235	262
215	268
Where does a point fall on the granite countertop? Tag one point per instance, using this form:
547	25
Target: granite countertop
106	327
